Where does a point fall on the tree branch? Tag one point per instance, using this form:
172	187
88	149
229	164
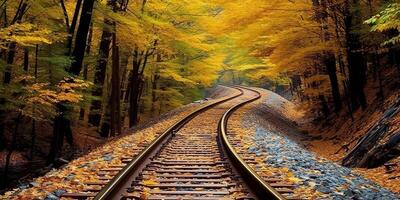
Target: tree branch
65	12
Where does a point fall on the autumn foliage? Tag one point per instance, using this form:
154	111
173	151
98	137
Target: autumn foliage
106	65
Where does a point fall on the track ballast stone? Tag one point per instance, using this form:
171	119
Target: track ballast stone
330	179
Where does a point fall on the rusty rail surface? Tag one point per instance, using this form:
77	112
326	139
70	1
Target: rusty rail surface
259	187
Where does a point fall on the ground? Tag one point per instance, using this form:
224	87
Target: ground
72	177
269	130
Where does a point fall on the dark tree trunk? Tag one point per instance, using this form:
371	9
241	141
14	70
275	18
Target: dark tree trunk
33	139
66	17
134	88
394	57
154	93
100	74
348	101
133	99
324	105
106	124
330	64
13	147
72	27
136	82
3	15
101	68
124	70
128	87
23	6
9	58
126	96
2	127
357	68
81	37
62	125
33	131
321	15
61	130
86	67
378	75
36	62
26	59
115	91
95	114
154	82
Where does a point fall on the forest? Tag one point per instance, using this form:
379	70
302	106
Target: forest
76	74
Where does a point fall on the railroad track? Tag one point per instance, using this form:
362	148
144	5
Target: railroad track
191	160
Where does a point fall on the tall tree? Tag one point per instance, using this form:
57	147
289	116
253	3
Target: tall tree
321	15
22	8
115	90
101	68
81	37
62	122
357	66
140	59
72	26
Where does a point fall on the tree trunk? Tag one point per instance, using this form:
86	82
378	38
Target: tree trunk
11	150
9	58
26	60
154	93
62	125
86	67
133	99
137	83
81	37
65	12
329	60
3	17
154	82
330	64
126	96
23	6
35	73
356	65
61	129
134	87
115	91
72	27
100	74
378	75
123	71
324	105
109	29
33	131
33	139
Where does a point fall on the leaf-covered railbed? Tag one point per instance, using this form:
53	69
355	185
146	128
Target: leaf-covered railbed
75	176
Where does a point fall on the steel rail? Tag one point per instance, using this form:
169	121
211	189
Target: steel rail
110	189
257	185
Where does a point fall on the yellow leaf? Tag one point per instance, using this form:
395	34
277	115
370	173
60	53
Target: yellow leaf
150	182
